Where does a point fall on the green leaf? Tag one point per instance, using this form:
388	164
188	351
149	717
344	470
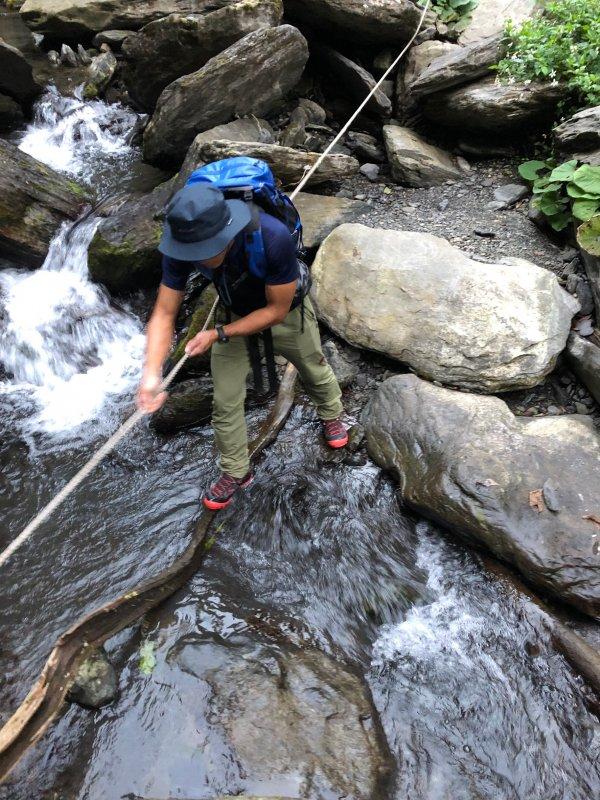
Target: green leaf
530	170
585	209
578	194
543	186
550	204
588	236
588	179
564	172
560	221
147	660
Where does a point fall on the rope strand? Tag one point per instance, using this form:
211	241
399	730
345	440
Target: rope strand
133	420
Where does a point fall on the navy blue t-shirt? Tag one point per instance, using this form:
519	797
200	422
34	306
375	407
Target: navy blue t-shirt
249	295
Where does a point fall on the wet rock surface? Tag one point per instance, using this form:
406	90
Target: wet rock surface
250	77
96	682
16	76
293	718
403	294
189	405
123	254
34	201
466	462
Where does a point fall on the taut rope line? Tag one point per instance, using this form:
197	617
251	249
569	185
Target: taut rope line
133	420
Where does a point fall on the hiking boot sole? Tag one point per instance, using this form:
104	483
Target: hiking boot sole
336	444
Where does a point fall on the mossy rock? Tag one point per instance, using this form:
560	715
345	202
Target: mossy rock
123	254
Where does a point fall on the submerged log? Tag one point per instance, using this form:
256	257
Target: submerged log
34	201
45	700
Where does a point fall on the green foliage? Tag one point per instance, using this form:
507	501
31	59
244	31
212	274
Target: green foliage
561	45
455	13
563	192
588	236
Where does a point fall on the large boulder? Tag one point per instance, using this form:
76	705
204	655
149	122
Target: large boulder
580	133
75	19
288	165
350	79
459	66
293	718
584	360
34	201
588	239
527	489
180	44
123	254
418	299
493	108
245	129
415	162
189	404
490	17
16	76
250	77
420	56
380	22
321	214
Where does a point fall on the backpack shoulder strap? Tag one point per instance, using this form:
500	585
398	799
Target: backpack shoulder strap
254	245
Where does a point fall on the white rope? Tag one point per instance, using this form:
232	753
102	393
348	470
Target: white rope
132	421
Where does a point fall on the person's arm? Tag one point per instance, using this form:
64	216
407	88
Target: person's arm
159	338
279	302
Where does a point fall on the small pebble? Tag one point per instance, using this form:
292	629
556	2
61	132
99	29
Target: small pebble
485	233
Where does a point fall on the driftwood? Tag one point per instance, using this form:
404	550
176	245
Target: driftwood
44	701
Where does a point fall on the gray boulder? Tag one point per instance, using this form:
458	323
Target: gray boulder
494	108
418	299
588	239
189	404
459	66
11	114
321	214
381	22
245	129
490	17
34	201
415	162
123	254
79	19
95	684
468	463
114	39
180	44
100	74
16	76
251	77
288	165
293	718
422	55
345	371
353	81
584	360
580	133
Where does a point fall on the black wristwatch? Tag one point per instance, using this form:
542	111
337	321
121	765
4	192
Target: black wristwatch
221	334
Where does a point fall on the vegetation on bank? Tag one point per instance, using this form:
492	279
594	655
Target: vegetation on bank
454	13
563	192
561	45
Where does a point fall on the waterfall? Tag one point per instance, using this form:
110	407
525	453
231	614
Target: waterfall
63	344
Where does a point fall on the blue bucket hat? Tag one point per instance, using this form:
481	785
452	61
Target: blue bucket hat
200	223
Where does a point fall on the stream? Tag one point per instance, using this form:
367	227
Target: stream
474	701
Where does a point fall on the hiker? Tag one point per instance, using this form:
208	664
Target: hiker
207	233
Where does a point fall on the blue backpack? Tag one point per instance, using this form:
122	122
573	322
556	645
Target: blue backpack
251	180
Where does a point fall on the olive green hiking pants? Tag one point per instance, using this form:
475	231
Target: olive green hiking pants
230	366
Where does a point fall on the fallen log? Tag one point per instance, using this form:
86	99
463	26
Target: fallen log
45	699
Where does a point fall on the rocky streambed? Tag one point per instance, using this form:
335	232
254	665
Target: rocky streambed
348	634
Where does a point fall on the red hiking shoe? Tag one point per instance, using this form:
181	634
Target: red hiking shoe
220	494
335	433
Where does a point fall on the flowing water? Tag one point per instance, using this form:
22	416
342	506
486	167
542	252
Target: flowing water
474	701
